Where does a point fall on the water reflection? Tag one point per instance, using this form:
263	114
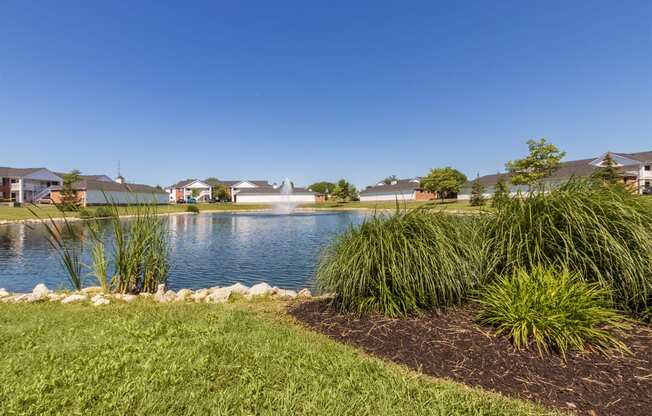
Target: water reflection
206	250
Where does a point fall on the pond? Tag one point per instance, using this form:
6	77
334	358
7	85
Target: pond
209	249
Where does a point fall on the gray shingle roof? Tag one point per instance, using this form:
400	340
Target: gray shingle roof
94	185
401	186
19	172
569	169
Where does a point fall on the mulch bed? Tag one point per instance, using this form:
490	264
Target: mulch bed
450	345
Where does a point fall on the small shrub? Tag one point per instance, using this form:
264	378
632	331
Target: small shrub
553	310
604	234
192	208
102	212
401	264
85	214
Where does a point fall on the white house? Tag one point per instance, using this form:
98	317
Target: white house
184	190
273	195
635	170
400	189
27	185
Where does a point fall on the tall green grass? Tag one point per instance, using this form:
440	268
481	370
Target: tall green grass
403	263
140	255
554	310
604	234
67	242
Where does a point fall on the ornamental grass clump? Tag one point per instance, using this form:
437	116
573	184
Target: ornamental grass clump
139	254
403	263
554	310
602	233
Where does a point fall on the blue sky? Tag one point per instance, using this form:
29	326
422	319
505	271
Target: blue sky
318	90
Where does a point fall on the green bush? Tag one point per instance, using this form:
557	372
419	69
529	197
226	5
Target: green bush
192	208
85	214
102	212
401	264
553	310
604	234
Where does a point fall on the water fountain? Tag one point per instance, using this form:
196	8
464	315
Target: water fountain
285	205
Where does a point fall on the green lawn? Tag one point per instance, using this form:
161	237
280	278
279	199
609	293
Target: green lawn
22	213
177	359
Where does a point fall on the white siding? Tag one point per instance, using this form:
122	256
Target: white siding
271	199
406	196
100	198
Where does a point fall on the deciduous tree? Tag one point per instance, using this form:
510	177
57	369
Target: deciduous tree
443	181
542	161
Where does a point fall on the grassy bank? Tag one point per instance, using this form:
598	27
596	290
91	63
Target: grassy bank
22	213
236	358
451	205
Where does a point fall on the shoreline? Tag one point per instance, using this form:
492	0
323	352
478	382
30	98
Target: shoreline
225	211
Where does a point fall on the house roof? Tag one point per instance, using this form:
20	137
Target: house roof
400	186
19	172
92	177
570	169
95	185
640	156
269	190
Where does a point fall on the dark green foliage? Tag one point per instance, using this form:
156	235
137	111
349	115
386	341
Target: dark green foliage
322	187
443	181
344	191
604	234
552	310
85	214
102	212
192	208
477	191
69	201
608	173
542	161
403	263
391	178
501	193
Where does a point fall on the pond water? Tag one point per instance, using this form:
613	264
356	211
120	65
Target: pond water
209	249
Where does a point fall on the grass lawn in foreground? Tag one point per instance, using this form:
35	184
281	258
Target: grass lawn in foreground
22	213
236	358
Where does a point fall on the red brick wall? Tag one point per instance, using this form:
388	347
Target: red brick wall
424	196
55	196
178	194
5	188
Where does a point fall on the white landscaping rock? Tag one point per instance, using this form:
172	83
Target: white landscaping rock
200	295
40	291
218	296
54	297
92	289
77	297
3	293
99	300
304	293
261	289
183	294
145	295
129	298
238	288
286	293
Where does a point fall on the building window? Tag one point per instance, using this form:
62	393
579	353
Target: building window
14	180
648	167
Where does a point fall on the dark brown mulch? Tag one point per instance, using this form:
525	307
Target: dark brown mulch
451	345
